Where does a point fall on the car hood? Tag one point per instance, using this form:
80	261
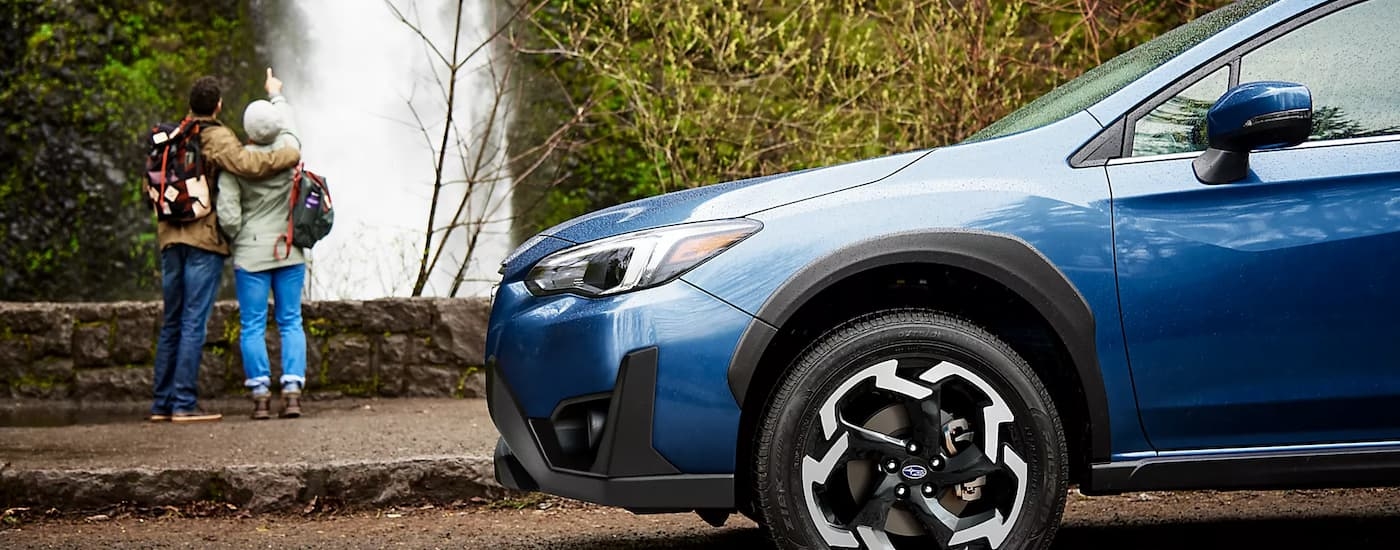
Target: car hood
728	200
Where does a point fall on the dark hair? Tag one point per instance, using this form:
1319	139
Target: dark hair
205	96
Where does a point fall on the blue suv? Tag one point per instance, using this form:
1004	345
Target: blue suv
1175	272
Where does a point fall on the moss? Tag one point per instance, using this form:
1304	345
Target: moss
43	384
461	391
521	502
323	375
232	329
366	389
6	334
319	327
216	490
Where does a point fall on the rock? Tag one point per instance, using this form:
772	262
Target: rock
459	332
92	345
14	355
134	340
223	324
260	488
473	385
401	315
114	383
401	349
49	328
213	373
428	381
342	316
35	319
49	378
349	364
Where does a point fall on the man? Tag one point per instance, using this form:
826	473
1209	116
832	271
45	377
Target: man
192	261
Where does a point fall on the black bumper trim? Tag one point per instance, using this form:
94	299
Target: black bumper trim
638	478
1343	468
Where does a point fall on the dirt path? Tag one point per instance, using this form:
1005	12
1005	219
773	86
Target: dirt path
1357	519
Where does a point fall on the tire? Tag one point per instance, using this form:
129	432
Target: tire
828	456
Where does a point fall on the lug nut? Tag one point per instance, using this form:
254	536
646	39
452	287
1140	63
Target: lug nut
891	465
901	491
929	490
936	463
913	448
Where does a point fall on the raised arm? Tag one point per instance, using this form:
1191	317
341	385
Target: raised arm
273	85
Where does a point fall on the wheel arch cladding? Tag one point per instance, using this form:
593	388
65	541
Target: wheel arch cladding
1004	259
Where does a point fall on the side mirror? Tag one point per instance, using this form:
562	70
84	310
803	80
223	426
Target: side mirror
1251	117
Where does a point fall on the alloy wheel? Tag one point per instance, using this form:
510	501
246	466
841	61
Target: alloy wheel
914	452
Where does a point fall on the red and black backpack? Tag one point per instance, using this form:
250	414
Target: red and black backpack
177	184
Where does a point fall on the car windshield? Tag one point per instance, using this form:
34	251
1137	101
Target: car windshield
1100	82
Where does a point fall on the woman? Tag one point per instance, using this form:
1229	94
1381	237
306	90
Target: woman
253	214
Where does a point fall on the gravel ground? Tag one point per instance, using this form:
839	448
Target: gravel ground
1363	519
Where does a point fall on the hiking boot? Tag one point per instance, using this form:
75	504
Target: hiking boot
197	415
291	404
262	407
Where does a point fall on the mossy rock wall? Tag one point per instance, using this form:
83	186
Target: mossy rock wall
106	351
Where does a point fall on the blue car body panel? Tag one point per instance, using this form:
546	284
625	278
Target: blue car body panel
1214	307
727	200
1063	212
1266	299
565	346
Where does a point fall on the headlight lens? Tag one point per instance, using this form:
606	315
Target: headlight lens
636	260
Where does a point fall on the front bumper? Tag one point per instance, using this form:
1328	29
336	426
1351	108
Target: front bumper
627	471
622	401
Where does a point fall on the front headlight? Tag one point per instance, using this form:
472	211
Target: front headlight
636	260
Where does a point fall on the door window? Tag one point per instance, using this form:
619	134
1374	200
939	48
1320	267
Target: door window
1350	60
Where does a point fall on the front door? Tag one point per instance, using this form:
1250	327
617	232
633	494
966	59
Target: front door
1267	312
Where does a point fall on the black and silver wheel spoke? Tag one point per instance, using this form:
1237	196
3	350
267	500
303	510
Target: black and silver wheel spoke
870	441
934	525
926	420
966	466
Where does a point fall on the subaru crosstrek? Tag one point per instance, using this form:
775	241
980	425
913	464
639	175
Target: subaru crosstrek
1178	271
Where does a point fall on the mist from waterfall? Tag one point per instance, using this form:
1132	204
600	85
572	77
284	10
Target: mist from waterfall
370	102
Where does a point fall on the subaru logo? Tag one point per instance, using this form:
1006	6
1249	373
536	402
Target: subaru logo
915	472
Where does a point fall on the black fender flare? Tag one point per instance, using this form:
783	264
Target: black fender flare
1003	258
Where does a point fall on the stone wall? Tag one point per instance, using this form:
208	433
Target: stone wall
105	351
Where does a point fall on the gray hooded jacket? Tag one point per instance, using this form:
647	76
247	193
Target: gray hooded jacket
253	213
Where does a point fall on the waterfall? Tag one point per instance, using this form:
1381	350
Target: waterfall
371	107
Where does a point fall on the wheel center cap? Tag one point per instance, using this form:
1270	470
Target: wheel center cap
914	470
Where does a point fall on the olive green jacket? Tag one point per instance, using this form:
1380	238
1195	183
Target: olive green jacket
253	211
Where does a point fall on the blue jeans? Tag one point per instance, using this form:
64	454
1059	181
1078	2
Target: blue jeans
285	284
189	281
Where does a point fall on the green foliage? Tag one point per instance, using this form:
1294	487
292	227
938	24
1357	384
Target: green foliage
684	94
79	82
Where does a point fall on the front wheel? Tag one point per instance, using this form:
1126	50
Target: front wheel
911	429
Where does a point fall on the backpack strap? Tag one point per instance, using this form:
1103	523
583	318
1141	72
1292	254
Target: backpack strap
286	238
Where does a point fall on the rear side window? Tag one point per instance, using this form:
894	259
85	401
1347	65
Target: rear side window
1350	60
